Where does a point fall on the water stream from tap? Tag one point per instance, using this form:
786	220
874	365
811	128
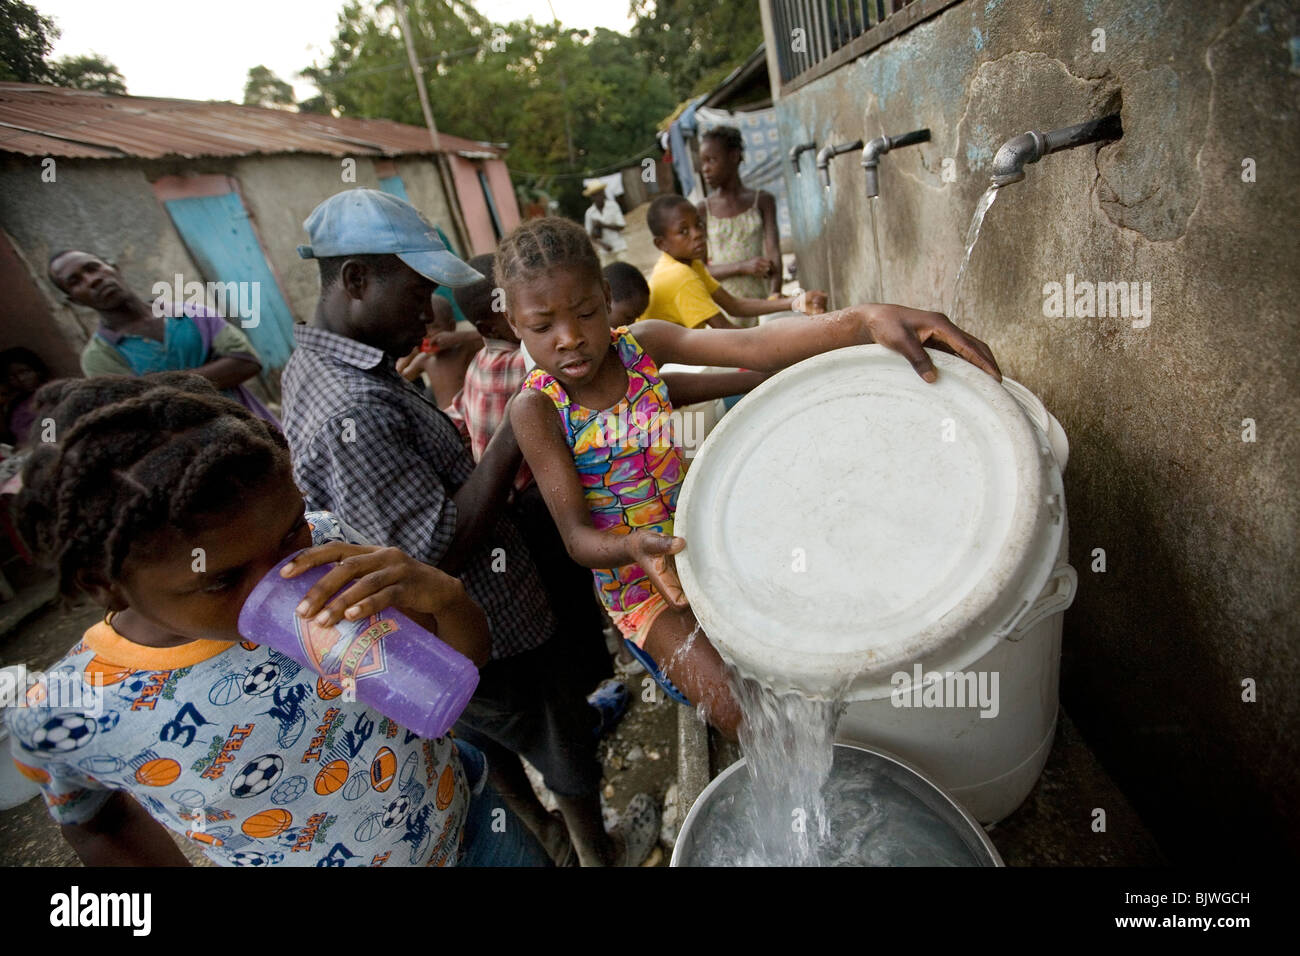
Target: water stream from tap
875	243
830	282
973	233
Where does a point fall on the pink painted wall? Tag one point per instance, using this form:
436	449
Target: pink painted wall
472	205
503	192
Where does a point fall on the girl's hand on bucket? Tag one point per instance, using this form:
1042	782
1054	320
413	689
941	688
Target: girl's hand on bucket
653	551
906	331
379	577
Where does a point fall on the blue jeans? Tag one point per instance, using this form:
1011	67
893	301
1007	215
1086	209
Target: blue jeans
496	837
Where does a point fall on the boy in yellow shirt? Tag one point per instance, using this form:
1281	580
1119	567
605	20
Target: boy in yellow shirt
681	289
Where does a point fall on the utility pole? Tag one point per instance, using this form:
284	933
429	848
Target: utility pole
405	26
440	161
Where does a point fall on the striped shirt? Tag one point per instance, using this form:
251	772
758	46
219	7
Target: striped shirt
370	447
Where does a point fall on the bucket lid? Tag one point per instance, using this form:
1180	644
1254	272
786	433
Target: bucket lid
847	520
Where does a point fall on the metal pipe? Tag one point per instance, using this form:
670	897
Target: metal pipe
827	153
872	152
1019	151
796	152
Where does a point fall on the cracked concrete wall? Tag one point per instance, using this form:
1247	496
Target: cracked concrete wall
1198	526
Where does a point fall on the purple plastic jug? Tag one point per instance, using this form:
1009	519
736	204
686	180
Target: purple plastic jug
394	665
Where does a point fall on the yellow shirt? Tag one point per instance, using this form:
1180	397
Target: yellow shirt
681	293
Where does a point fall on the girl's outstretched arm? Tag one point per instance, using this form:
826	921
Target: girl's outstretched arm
783	342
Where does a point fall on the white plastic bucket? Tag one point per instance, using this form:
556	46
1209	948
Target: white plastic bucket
990	764
935	515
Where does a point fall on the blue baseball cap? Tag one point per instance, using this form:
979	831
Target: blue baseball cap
367	222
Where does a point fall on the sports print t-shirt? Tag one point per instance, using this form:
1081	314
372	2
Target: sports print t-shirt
243	751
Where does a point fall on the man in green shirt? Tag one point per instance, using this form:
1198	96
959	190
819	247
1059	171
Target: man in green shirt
134	339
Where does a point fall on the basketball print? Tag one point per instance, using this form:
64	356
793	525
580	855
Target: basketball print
268	823
158	773
383	769
327	690
227	690
101	673
257	776
369	828
357	786
332	776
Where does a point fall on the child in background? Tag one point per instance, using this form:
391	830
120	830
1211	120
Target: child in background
681	289
444	355
744	243
192	726
22	372
629	293
613	494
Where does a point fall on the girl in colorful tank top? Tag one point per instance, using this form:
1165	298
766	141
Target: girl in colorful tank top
628	464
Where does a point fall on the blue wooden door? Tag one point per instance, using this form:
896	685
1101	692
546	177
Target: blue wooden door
220	237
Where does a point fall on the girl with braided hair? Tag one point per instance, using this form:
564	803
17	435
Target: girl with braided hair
166	503
593	422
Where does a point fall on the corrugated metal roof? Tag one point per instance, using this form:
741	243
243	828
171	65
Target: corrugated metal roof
49	121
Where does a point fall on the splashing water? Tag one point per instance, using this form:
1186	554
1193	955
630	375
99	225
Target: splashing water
678	656
879	820
788	742
973	233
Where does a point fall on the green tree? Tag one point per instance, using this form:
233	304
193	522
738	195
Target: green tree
88	72
25	39
696	43
534	86
264	88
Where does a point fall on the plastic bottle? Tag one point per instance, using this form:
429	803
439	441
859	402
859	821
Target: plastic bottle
390	662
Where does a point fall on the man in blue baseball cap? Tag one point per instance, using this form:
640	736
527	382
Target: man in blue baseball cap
372	448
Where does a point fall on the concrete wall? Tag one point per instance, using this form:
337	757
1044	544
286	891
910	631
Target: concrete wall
1199	527
109	208
103	207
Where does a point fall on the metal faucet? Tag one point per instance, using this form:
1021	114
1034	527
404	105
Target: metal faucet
795	153
1019	151
827	153
872	152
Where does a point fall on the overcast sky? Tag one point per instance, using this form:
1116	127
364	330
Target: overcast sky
203	50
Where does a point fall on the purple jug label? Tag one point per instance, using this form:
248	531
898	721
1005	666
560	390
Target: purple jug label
351	646
356	654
